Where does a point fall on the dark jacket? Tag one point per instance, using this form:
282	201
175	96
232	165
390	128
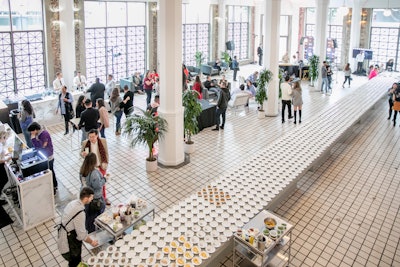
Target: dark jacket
96	91
223	99
89	119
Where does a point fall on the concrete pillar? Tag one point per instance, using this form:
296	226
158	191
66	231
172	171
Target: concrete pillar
271	53
355	31
170	59
67	41
320	34
221	27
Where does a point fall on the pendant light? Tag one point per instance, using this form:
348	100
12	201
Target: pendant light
387	12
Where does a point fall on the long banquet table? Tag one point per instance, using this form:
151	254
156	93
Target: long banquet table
259	183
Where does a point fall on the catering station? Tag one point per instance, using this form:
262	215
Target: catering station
31	183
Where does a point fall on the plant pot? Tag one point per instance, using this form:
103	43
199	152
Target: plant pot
260	114
151	166
188	148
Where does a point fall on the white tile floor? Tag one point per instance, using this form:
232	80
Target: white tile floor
355	186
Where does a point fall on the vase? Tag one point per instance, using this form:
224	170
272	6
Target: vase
260	114
151	166
188	148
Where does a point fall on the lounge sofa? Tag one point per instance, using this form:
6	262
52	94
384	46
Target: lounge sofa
206	69
193	71
126	81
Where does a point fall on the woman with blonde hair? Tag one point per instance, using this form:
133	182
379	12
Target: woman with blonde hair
92	177
297	100
104	121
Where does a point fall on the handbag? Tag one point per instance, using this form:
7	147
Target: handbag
95	205
71	112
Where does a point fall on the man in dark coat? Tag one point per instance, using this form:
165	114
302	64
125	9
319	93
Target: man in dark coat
96	90
222	105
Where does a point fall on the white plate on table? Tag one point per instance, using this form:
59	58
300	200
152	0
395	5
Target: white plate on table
214	233
157	219
144	255
214	224
154	238
168	238
139	248
152	249
201	234
169	229
128	237
147	243
124	248
161	243
156	228
148	233
202	244
132	243
194	239
143	228
163	225
162	233
119	243
219	219
220	228
150	223
135	260
176	224
196	228
141	238
189	233
207	228
210	249
135	233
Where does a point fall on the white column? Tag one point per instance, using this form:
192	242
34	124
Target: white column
221	27
355	31
67	42
271	53
320	34
170	60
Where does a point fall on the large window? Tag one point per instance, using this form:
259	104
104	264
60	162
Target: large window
385	38
238	30
334	34
115	36
195	32
21	48
284	35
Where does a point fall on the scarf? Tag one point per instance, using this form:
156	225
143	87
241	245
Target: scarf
102	151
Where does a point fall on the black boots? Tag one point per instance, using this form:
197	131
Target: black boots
300	116
295	114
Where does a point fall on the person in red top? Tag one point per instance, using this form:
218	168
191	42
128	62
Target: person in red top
148	87
154	74
197	86
373	72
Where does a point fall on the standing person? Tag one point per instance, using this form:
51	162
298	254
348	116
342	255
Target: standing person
260	54
4	157
110	85
222	104
148	87
360	61
26	117
96	90
324	76
127	101
79	81
99	147
65	100
347	74
80	106
93	178
329	74
286	98
72	231
41	140
297	100
115	101
103	112
235	67
58	83
373	72
197	86
391	91
89	119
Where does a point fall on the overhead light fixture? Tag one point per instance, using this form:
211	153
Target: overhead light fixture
387	12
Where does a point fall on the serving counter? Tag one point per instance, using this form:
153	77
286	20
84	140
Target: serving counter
31	199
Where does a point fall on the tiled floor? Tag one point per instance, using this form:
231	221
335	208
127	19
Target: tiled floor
336	199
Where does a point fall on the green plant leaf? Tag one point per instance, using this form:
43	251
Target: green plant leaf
191	112
262	84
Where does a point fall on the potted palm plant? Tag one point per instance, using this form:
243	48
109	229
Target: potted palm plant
146	129
199	58
261	93
190	115
313	70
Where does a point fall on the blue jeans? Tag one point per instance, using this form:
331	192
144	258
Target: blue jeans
118	115
325	83
148	93
102	134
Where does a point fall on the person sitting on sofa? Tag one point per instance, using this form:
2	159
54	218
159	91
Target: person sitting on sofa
250	87
253	78
217	65
211	86
137	83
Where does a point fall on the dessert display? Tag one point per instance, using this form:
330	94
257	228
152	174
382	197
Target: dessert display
214	195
